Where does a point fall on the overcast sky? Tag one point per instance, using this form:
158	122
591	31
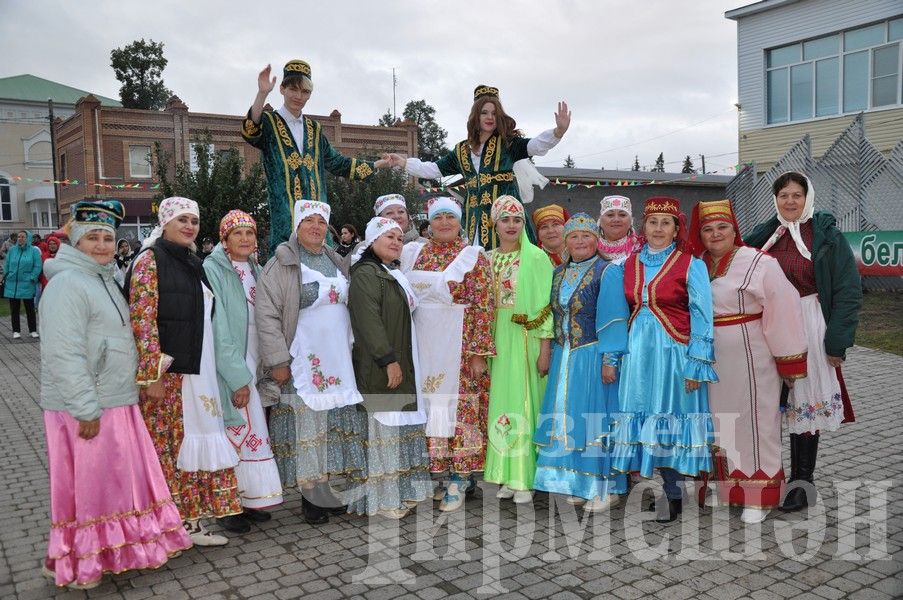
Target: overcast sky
631	70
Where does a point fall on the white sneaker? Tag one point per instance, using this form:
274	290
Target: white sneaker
712	499
598	504
453	499
575	500
393	513
34	334
201	537
754	515
504	493
523	496
16	335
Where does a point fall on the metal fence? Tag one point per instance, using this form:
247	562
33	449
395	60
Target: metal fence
861	187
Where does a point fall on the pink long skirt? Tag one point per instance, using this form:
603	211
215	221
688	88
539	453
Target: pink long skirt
110	507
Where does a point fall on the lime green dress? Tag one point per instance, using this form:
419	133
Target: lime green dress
522	285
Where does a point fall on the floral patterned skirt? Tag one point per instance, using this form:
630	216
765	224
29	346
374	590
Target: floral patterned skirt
466	451
197	494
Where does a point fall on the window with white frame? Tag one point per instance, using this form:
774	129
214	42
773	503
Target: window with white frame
849	71
139	161
6	200
195	148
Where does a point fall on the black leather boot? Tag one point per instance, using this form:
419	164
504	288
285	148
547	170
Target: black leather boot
675	507
803	470
313	514
234	523
323	496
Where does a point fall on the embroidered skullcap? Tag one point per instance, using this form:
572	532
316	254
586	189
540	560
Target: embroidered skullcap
443	204
485	90
376	227
662	205
295	68
615	203
581	222
168	210
384	202
552	212
307	208
94	214
233	220
506	206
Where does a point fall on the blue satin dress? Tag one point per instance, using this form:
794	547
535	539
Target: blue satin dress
574	424
660	425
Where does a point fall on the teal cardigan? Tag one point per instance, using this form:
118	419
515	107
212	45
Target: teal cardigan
230	330
836	278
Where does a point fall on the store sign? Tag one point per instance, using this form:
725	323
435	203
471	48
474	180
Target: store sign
878	253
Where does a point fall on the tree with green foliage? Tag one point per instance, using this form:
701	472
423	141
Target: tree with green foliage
636	163
659	164
430	137
139	68
688	166
387	120
569	162
218	183
352	201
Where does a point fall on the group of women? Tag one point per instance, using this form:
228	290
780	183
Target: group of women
205	390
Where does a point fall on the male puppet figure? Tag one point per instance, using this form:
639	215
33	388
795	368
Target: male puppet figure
295	153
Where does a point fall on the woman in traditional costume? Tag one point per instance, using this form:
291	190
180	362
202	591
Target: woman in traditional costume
665	422
549	223
453	282
305	339
381	303
489	161
522	331
818	261
233	274
590	325
110	509
760	345
171	307
618	239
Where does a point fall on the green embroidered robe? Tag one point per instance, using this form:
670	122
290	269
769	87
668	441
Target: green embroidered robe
296	170
495	178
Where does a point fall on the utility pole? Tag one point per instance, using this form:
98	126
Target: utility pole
394	85
56	186
702	156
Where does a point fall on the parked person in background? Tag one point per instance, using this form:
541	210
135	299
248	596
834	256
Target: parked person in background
347	240
51	245
21	271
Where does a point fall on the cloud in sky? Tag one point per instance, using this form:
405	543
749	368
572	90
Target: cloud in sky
630	70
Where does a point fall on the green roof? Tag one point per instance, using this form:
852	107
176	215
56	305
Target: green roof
28	88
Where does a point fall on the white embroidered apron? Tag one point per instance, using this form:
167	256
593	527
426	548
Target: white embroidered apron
440	327
205	446
321	351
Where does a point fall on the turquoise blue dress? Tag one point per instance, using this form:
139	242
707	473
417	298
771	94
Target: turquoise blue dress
572	434
660	425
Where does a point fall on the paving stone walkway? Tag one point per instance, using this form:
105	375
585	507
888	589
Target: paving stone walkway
850	547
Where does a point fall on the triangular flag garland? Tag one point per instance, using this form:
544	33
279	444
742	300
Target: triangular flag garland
740	168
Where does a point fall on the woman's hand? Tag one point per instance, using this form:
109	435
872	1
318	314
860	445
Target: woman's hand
241	397
691	386
265	85
788	381
562	119
393	370
155	391
88	429
609	373
544	358
280	375
834	361
477	366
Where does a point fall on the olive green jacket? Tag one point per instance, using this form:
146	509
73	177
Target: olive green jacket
381	322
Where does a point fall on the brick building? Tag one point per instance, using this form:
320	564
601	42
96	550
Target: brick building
102	146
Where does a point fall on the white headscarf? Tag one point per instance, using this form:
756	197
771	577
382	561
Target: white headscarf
306	208
794	226
169	209
376	227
